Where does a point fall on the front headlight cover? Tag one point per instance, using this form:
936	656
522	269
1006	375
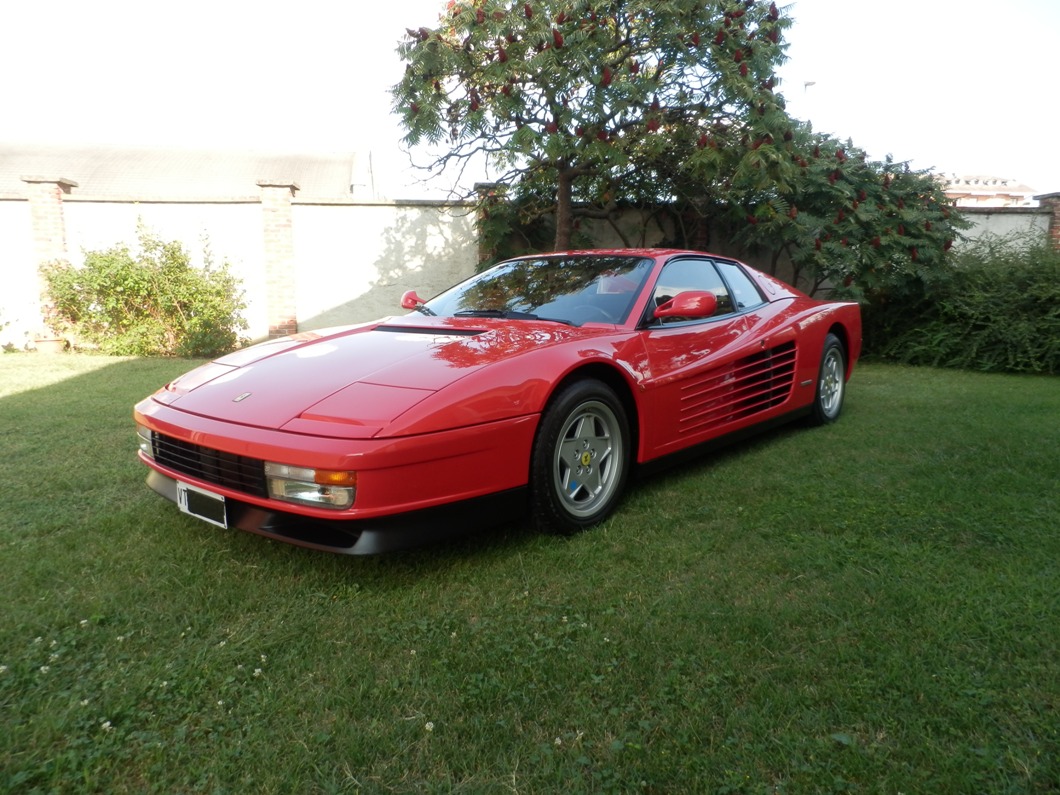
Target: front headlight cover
319	488
144	437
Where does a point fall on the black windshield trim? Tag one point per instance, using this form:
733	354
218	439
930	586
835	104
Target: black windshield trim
509	314
437	332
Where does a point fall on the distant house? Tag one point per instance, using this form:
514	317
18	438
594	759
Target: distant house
997	206
985	191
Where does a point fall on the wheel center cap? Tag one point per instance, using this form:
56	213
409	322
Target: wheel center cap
586	459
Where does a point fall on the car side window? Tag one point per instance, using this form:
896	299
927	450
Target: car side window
682	275
743	289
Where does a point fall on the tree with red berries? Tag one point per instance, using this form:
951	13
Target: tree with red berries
575	100
867	228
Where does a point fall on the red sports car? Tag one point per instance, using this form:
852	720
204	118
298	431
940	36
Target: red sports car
543	381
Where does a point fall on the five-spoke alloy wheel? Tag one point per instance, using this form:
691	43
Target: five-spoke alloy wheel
581	457
831	383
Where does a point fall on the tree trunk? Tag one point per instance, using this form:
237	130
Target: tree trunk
564	208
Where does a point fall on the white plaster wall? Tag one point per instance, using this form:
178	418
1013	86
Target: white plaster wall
19	285
354	262
1003	224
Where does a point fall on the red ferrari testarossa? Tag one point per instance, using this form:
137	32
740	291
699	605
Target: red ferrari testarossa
543	381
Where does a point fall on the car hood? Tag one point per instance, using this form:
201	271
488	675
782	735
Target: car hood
353	381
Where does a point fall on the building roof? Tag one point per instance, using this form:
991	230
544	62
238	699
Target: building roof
984	190
174	174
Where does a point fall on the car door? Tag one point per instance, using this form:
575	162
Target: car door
709	376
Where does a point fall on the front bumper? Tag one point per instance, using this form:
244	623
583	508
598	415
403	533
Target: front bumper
394	475
363	536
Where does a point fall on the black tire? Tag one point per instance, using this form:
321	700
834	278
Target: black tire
831	383
580	459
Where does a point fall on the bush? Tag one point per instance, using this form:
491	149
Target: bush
997	309
148	302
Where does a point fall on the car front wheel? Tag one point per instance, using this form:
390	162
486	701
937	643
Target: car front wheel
831	383
580	459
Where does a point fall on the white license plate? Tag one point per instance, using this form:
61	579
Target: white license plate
202	504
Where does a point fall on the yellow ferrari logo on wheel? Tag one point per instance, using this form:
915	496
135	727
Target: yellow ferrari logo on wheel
586	459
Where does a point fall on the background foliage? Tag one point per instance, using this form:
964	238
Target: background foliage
593	109
147	301
867	228
575	102
994	306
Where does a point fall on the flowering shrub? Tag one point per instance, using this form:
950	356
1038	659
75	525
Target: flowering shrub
150	301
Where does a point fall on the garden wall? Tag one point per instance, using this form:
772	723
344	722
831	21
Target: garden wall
305	263
1005	221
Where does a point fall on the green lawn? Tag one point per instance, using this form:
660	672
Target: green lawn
867	607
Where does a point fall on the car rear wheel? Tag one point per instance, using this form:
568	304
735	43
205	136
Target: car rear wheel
580	459
831	383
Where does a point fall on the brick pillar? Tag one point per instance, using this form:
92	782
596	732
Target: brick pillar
280	283
1052	201
48	227
46	216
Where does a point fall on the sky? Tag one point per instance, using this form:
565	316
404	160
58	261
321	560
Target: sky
958	86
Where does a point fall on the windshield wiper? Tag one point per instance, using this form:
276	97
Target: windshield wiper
509	314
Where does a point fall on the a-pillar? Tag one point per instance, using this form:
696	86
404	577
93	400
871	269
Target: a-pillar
489	194
280	281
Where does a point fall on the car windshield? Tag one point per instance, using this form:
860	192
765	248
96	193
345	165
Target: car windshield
567	289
